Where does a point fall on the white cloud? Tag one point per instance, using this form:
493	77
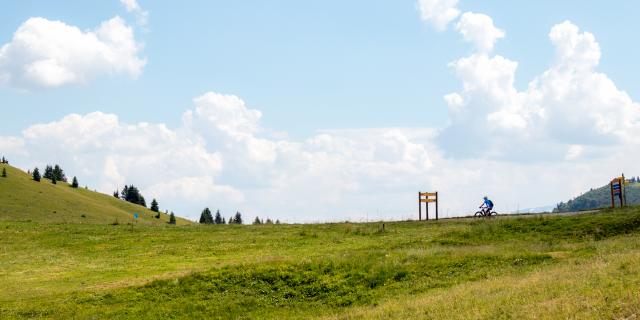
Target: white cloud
438	13
569	104
45	53
478	29
132	6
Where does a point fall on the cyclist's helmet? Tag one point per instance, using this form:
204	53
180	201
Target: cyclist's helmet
485	197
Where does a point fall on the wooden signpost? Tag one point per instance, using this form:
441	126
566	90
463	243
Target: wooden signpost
618	190
427	197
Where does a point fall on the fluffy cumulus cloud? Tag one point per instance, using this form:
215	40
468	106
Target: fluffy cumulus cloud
478	29
569	111
45	53
438	13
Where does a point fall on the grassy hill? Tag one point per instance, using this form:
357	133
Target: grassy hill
22	199
599	198
552	267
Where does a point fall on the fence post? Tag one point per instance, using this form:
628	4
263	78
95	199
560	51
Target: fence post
419	207
437	200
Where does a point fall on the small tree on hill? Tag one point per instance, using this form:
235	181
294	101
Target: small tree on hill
172	218
116	194
218	219
257	221
4	161
278	221
4	172
206	217
238	218
74	183
48	172
36	175
53	180
224	221
154	206
58	173
230	221
269	221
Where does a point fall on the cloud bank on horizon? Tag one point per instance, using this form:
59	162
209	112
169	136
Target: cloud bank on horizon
571	121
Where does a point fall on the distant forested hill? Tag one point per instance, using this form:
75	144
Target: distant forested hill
599	198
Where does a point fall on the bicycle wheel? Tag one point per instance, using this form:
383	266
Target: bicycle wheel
478	214
493	213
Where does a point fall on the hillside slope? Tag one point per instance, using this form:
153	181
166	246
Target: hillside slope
22	199
599	198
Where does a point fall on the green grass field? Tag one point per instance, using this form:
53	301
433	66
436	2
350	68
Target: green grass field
544	267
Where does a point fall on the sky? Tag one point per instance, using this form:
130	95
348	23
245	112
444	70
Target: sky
324	111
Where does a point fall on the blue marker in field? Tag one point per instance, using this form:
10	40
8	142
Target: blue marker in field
135	216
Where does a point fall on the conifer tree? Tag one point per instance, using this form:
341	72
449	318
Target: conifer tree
224	221
257	221
4	171
58	173
269	221
218	218
206	217
278	221
36	175
230	221
53	180
238	218
172	218
74	183
48	172
154	206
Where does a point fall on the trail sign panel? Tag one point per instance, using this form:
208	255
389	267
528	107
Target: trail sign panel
427	197
618	186
135	216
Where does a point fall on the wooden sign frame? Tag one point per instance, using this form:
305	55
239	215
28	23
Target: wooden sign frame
426	198
618	190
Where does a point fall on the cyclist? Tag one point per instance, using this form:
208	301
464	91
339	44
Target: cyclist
487	205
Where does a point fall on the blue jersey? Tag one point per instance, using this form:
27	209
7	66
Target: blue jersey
488	203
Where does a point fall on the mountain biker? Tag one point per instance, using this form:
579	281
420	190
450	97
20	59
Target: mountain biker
488	205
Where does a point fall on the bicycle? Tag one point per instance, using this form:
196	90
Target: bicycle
485	212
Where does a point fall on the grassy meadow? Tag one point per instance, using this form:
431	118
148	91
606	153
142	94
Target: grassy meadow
583	266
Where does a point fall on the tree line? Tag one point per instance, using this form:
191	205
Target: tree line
207	218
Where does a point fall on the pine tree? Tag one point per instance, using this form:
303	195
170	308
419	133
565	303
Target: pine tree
74	184
230	221
206	217
53	180
238	218
269	221
218	219
4	171
125	192
48	172
257	221
154	205
224	221
4	160
172	218
278	221
58	173
36	175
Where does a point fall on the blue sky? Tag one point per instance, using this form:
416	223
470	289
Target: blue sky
313	67
309	66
